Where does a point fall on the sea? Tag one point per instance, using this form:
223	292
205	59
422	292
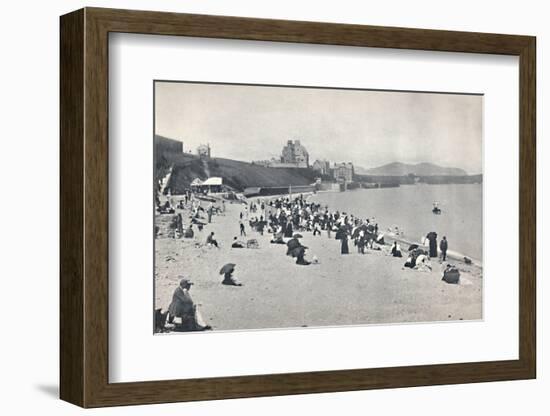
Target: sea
409	207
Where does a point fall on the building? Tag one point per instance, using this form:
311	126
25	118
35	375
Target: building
343	172
164	145
294	153
321	166
203	151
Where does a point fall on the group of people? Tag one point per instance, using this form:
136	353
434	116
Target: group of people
419	258
285	215
284	218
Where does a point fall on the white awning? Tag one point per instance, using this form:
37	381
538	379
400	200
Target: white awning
215	180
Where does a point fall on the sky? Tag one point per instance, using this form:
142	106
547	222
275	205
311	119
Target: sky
368	128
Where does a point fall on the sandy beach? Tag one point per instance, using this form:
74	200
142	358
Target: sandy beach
352	289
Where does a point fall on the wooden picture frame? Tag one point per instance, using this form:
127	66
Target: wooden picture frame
84	207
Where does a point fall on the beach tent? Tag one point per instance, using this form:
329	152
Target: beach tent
213	181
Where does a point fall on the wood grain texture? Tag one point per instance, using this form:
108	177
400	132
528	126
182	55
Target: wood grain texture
528	207
71	208
84	204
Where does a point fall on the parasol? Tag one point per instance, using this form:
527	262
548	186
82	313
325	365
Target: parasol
228	268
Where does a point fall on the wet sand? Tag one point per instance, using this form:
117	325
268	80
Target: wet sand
351	289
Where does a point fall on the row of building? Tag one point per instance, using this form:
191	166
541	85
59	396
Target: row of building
295	155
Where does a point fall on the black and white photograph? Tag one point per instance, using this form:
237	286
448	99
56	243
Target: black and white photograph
292	207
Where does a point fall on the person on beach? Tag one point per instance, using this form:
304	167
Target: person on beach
209	212
178	233
289	230
211	241
396	250
183	307
342	235
432	238
297	250
317	229
261	225
300	252
411	262
361	242
229	280
189	233
344	248
443	246
423	263
241	226
292	244
237	244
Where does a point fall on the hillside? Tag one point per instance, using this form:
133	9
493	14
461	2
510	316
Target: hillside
238	175
404	169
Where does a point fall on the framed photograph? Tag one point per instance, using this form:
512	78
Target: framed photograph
255	207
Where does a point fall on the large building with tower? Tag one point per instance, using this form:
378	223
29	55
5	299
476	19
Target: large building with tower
296	154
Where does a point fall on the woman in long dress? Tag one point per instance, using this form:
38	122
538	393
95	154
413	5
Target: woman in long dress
432	238
344	248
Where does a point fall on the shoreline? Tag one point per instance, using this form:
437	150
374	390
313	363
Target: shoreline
389	236
406	234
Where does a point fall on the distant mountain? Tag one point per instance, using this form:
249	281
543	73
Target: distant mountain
403	169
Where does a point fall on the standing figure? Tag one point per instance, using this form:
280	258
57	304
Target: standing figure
443	246
209	212
342	235
289	231
361	241
241	226
344	248
432	238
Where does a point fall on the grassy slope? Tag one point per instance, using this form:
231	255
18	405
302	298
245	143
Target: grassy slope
238	175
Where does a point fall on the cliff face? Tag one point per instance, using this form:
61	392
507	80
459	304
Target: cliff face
164	149
238	175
